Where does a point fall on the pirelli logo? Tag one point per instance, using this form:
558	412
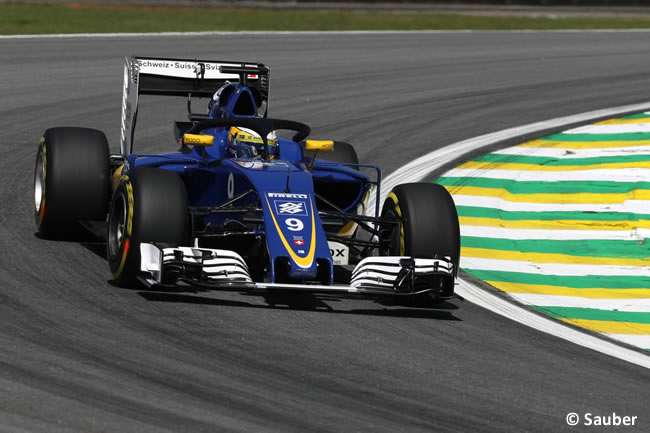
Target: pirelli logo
286	195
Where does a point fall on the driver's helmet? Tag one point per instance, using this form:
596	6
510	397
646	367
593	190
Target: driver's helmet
246	143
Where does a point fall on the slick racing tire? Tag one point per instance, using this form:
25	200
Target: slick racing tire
148	205
71	178
429	227
343	152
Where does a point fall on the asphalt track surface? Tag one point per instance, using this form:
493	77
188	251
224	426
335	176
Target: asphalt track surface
82	355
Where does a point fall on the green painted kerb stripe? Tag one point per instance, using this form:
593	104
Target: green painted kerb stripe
554	162
637	116
595	314
581	248
628	136
534	187
574	282
484	212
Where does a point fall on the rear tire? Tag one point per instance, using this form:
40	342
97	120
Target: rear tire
429	227
71	178
149	205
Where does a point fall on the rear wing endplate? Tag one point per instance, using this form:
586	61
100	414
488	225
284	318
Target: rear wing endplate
181	77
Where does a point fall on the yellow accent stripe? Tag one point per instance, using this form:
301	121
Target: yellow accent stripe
585	144
129	220
129	225
590	293
348	229
486	253
402	248
610	327
556	225
308	260
117	175
393	197
624	121
480	165
588	198
120	268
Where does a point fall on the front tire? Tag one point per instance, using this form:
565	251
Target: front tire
149	205
429	228
71	178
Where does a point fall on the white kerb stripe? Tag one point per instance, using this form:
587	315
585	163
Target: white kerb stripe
611	175
611	129
481	264
532	234
559	153
627	305
641	207
642	341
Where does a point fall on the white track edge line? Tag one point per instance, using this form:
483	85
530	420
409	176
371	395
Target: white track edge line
419	168
526	317
307	32
236	33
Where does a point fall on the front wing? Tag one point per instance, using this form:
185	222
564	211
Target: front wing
218	269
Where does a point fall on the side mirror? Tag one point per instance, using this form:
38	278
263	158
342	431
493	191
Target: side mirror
316	146
319	145
198	140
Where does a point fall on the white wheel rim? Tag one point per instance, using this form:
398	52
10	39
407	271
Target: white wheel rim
39	175
117	225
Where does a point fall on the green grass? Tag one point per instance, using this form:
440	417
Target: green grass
39	19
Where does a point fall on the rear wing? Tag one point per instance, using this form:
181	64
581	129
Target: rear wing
181	77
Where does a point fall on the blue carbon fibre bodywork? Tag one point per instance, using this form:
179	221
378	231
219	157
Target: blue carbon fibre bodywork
284	191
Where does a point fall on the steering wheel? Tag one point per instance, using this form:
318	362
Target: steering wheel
263	126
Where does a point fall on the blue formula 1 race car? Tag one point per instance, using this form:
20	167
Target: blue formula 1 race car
247	202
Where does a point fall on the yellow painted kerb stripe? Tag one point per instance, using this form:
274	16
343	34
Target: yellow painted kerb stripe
638	120
586	198
589	293
611	327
